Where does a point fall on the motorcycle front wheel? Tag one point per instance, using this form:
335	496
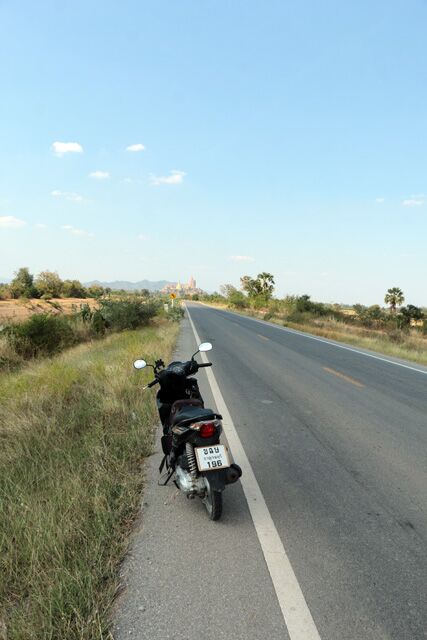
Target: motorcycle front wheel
213	502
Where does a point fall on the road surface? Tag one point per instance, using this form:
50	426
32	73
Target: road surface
337	444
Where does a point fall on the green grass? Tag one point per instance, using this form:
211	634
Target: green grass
74	431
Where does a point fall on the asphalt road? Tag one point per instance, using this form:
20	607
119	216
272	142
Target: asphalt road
337	441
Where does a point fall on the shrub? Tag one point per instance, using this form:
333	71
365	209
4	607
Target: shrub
260	301
126	313
85	312
372	316
238	300
176	313
42	334
98	323
47	334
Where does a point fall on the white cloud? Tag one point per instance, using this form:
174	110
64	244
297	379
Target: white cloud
141	236
414	201
10	222
74	197
379	200
175	177
39	225
99	175
61	148
76	232
127	180
242	258
135	147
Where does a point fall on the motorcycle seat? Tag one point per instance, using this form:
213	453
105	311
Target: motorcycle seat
191	413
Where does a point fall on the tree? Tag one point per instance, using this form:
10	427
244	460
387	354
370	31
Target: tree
227	289
266	281
394	297
96	291
249	285
22	284
262	285
49	284
411	312
73	289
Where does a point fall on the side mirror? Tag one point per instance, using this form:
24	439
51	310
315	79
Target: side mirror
205	346
139	364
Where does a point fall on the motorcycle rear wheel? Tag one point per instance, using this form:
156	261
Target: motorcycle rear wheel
213	502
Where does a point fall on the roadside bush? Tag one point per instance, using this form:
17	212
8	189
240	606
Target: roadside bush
213	297
45	334
260	301
372	316
175	314
42	334
127	314
98	324
238	300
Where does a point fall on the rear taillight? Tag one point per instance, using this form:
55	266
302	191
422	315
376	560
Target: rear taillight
207	429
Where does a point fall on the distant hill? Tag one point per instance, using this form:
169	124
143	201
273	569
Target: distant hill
130	286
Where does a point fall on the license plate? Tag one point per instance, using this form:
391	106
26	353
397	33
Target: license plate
213	457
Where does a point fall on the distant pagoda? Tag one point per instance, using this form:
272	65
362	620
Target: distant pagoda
182	290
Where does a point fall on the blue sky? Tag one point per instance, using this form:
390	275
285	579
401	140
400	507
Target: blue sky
280	136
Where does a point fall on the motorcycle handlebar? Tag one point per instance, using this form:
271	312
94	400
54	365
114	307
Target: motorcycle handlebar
196	364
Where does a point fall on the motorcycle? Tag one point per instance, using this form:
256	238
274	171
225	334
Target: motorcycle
191	444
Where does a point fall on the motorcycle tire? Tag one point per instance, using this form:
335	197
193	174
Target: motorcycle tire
213	502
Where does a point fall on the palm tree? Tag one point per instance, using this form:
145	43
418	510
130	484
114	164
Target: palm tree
394	297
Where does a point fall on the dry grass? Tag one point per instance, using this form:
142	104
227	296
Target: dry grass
18	310
73	433
408	346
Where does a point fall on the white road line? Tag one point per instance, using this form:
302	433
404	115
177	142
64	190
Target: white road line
330	342
293	605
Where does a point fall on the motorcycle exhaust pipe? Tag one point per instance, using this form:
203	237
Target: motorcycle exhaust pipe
233	473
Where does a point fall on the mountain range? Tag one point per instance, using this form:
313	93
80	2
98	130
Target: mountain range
131	286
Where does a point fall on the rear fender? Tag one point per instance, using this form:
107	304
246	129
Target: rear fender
217	479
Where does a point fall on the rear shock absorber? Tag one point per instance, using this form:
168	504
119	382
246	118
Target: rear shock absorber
191	459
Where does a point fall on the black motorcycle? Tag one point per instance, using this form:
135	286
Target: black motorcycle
191	444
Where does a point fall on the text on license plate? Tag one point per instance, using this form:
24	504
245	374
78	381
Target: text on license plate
213	457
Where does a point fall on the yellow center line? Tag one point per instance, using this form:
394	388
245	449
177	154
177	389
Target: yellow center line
263	337
344	377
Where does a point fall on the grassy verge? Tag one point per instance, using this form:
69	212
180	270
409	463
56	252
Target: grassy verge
410	345
73	433
407	347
